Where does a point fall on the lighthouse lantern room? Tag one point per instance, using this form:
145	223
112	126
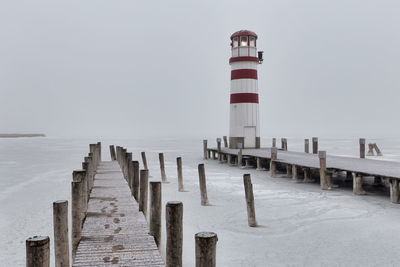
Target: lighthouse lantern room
244	131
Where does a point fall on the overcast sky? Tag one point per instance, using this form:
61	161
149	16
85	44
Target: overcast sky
137	68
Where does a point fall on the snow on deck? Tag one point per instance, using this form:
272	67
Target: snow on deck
115	232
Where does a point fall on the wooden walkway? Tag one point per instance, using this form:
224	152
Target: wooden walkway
115	233
381	168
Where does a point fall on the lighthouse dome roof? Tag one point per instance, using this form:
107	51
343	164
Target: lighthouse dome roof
244	33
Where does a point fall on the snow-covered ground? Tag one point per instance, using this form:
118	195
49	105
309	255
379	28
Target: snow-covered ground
300	225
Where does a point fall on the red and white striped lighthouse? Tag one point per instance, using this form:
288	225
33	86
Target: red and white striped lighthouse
244	115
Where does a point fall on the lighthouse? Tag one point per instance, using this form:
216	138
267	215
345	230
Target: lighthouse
244	124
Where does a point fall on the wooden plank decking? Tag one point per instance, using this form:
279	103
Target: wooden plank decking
381	168
115	233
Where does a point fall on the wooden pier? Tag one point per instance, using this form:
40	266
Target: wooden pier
303	163
115	231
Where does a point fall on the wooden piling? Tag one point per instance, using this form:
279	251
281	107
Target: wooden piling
203	186
131	173
180	175
61	239
294	173
259	165
38	251
155	211
394	191
288	170
206	249
357	184
85	167
322	170
306	145
144	160
128	159
273	142
136	180
272	163
306	172
248	190
239	158
112	153
315	145
174	218
219	150
144	184
80	176
225	141
205	152
362	148
162	167
76	189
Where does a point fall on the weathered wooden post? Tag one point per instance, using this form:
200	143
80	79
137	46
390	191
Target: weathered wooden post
205	154
272	163
306	175
273	142
239	158
288	170
99	151
38	251
79	176
162	167
322	170
362	148
306	145
394	191
144	184
128	158
219	150
203	186
225	141
206	249
294	173
85	167
112	153
136	180
180	175
61	239
131	173
76	189
229	159
259	164
117	150
92	153
315	145
248	190
370	150
357	184
144	160
90	172
174	218
285	146
155	211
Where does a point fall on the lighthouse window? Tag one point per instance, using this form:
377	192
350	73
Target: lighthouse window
235	41
252	41
243	41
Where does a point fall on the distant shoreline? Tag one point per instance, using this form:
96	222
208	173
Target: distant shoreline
21	135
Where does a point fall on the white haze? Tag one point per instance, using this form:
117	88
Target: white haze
160	68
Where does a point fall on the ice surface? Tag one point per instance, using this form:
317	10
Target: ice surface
300	225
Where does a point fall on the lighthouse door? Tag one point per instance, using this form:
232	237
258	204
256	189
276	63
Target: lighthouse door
250	137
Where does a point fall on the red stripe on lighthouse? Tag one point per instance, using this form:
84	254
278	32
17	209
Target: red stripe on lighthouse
244	98
239	59
243	74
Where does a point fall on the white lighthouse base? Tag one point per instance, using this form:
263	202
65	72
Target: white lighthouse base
239	142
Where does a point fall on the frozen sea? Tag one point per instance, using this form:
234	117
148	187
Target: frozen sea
300	225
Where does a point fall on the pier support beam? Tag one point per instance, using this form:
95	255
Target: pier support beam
180	175
272	163
225	141
394	191
76	207
288	170
219	150
136	180
112	153
273	142
144	160
229	159
294	173
307	174
239	158
322	171
61	239
206	249
357	184
259	164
